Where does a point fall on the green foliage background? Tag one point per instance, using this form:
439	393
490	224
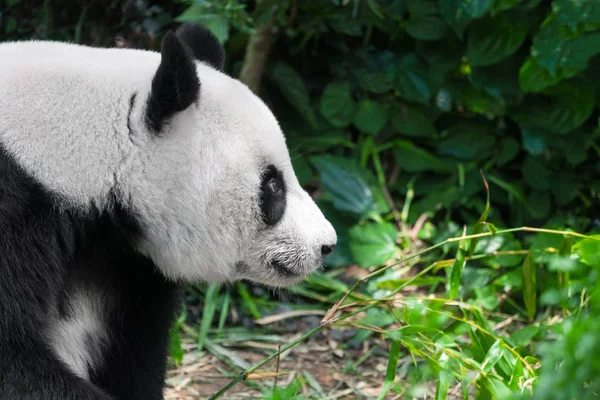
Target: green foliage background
414	96
391	109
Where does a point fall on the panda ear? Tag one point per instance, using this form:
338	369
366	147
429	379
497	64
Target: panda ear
203	44
175	85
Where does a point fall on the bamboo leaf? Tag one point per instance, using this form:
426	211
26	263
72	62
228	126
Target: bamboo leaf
529	286
457	268
210	305
390	374
482	219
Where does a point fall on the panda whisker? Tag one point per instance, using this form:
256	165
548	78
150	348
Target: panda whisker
298	146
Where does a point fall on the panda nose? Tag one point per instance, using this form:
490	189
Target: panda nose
327	249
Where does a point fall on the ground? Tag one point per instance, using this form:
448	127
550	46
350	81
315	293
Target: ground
202	374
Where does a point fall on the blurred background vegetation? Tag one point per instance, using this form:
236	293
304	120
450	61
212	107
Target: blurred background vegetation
393	112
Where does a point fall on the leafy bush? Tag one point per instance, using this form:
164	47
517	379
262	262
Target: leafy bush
413	97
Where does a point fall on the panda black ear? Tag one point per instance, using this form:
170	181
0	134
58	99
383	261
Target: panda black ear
175	85
203	44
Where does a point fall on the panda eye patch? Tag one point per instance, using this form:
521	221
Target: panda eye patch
272	196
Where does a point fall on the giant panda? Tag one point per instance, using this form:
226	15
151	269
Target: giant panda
123	175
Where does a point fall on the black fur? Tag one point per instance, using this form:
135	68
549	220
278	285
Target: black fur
45	254
272	202
203	44
175	85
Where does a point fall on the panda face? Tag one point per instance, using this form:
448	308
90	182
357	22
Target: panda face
214	191
197	161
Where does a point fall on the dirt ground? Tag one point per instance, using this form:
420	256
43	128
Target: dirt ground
202	374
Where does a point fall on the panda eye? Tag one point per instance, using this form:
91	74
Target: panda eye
272	196
273	185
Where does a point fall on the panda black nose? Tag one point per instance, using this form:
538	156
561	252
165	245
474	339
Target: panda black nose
326	250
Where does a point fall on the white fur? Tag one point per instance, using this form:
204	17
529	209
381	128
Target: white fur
79	338
195	187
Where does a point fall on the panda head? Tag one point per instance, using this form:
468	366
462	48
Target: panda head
210	182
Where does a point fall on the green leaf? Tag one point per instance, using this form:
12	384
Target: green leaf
503	5
499	243
323	281
565	188
443	379
544	242
487	296
344	24
517	375
377	71
208	313
500	80
496	388
370	117
11	25
442	56
467	141
494	354
247	301
535	78
555	48
415	159
588	251
352	187
337	105
513	189
509	150
390	374
412	80
535	141
458	13
466	95
576	12
539	203
491	40
535	174
576	147
373	243
475	8
291	391
176	350
522	337
293	89
529	286
425	21
566	247
457	269
411	121
565	107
